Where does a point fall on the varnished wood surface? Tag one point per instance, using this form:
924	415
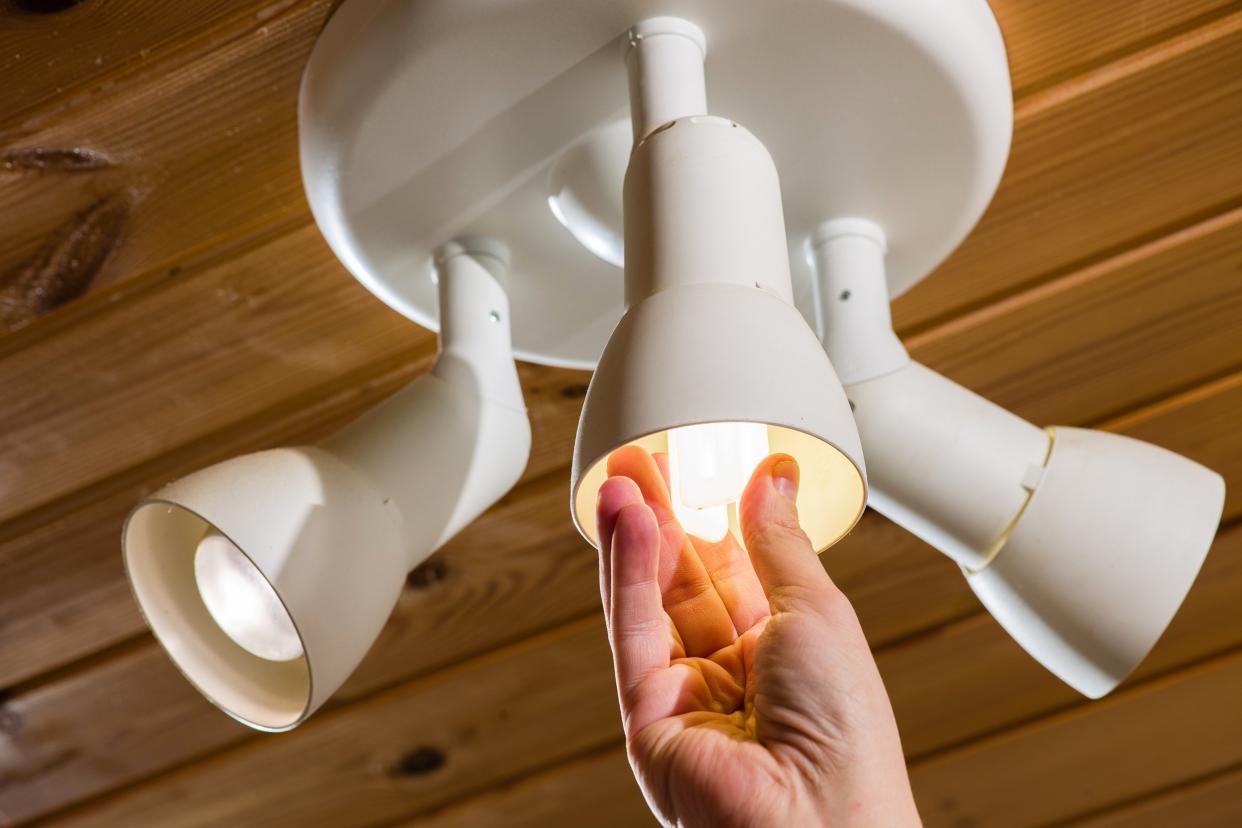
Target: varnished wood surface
165	302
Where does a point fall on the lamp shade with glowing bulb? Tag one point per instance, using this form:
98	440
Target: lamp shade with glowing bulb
267	577
711	361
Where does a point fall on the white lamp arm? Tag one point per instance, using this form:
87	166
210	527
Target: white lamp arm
453	442
946	464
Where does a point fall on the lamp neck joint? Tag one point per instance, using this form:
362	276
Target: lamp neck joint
852	303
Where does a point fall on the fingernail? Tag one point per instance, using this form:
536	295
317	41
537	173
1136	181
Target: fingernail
785	478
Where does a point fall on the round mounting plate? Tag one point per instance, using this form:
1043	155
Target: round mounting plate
423	120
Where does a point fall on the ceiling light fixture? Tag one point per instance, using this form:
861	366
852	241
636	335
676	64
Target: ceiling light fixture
1081	543
269	576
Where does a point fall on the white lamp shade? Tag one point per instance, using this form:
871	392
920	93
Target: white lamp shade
315	529
1101	558
333	530
712	352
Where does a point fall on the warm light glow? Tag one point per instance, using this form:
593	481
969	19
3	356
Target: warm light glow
242	602
709	467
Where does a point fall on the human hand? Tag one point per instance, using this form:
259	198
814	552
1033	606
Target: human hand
748	693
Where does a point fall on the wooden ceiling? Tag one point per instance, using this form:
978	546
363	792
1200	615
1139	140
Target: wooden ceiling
166	302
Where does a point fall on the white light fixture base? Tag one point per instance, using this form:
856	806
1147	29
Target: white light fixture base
423	120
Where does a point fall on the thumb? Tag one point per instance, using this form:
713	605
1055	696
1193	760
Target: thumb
780	551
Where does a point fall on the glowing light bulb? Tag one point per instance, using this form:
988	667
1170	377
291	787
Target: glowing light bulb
242	602
709	467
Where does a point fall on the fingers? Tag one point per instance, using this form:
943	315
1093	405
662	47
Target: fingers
736	583
637	624
730	570
614	495
784	560
690	598
661	460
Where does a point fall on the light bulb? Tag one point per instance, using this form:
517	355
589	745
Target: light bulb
709	467
242	602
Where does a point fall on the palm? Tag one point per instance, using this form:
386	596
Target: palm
742	684
705	750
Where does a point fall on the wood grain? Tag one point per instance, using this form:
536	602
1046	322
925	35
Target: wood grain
1110	337
56	61
597	790
1219	410
1049	43
486	721
1109	160
66	266
1208	803
1077	772
186	356
1176	728
1073	773
206	148
211	168
1104	284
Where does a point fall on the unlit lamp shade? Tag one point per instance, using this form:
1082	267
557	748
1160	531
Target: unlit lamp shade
1103	555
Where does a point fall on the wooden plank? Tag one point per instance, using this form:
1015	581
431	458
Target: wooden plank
1127	153
1208	803
1051	42
414	748
110	40
1046	43
490	590
141	707
55	60
204	151
597	790
183	358
1173	729
1073	762
562	794
1125	331
210	168
1217	405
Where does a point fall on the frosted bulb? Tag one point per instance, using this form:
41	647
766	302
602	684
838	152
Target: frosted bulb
709	467
242	602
